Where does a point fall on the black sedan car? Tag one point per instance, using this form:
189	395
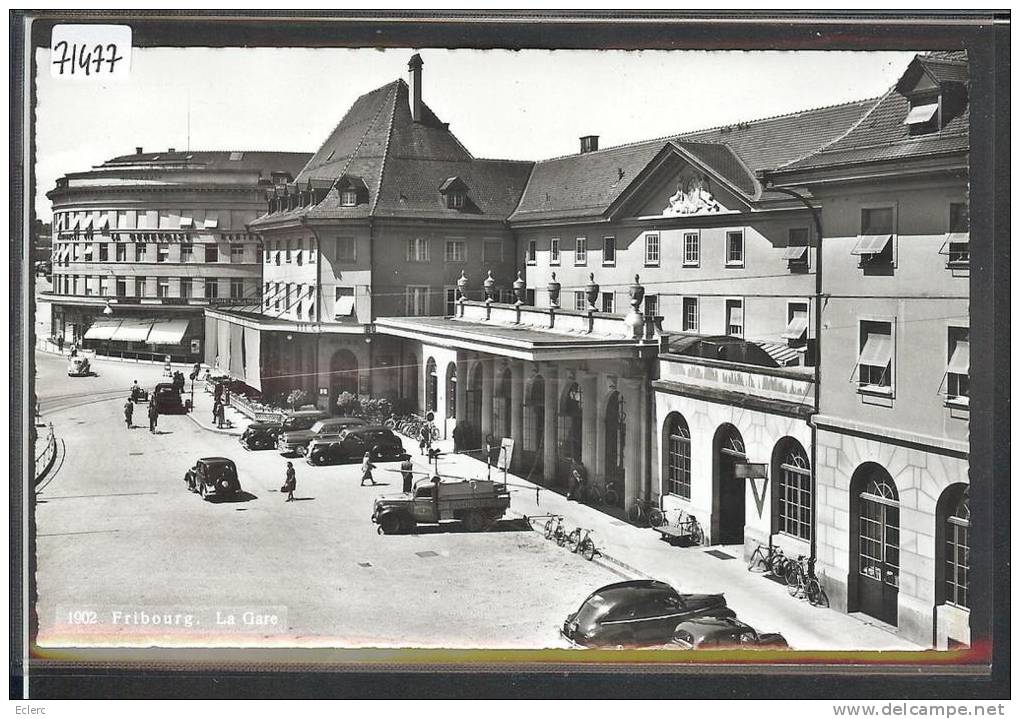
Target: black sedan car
213	477
261	435
638	613
351	445
723	633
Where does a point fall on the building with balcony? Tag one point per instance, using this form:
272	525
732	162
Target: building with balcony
143	243
892	444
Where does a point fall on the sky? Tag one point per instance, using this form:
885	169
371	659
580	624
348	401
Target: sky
523	105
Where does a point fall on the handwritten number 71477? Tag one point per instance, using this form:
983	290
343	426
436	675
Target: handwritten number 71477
74	58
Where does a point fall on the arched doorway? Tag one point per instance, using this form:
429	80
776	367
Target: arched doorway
728	492
431	386
952	542
615	441
534	425
343	375
501	406
451	391
569	429
875	548
792	502
677	459
472	434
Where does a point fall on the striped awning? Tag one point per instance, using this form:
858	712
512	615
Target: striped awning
102	329
132	331
169	332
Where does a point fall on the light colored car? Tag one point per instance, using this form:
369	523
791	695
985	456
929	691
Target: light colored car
79	367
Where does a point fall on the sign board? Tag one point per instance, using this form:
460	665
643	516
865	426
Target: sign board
324	391
506	453
196	346
750	470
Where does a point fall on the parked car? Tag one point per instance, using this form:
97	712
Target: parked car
265	435
166	399
723	633
352	443
79	367
638	613
213	477
296	442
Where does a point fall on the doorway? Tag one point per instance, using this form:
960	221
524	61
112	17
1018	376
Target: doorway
876	554
615	441
729	492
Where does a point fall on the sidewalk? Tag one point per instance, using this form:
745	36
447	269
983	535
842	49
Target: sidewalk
639	552
201	412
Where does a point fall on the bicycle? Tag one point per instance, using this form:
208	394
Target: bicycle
580	542
643	512
772	562
804	582
685	528
555	531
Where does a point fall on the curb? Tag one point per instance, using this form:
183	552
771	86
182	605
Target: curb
607	561
232	431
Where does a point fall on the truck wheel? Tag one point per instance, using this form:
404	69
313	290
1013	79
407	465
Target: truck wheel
474	521
390	523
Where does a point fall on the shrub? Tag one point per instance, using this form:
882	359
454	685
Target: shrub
348	404
298	397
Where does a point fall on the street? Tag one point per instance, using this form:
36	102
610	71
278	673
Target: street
118	529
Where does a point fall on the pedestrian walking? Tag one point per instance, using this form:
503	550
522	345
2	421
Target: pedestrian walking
290	483
129	412
366	469
153	417
218	394
407	473
60	344
215	409
220	415
425	442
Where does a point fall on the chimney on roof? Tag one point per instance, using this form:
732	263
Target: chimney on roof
138	151
414	80
171	150
589	143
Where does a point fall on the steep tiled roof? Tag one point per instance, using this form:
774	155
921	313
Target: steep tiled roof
403	164
882	135
587	184
263	162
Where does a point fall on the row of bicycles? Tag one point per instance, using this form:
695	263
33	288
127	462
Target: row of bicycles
578	541
798	573
410	425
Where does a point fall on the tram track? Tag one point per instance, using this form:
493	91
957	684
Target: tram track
56	403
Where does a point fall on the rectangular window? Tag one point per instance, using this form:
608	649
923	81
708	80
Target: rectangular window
450	294
187	252
278	289
735	248
212	289
492	251
580	301
417	300
957	377
793	491
139	252
692	249
581	251
418	250
121	252
609	251
690	306
957	244
796	252
652	249
874	363
312	251
185	287
346	249
608	302
162	252
139	286
735	318
121	288
529	297
344	302
237	253
236	288
652	305
874	244
163	287
455	251
258	254
796	321
554	251
212	254
532	252
104	252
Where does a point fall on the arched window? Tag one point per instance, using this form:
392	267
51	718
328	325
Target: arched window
431	385
957	550
678	462
534	415
793	490
451	390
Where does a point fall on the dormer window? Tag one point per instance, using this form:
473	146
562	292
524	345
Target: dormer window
935	87
455	191
925	113
348	197
353	191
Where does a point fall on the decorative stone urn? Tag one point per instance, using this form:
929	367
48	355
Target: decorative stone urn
489	286
462	284
592	291
519	287
637	293
554	291
635	319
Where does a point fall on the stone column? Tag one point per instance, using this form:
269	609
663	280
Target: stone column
590	429
630	389
517	410
552	406
488	373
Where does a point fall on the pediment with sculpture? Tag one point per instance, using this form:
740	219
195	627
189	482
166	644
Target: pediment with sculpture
693	196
